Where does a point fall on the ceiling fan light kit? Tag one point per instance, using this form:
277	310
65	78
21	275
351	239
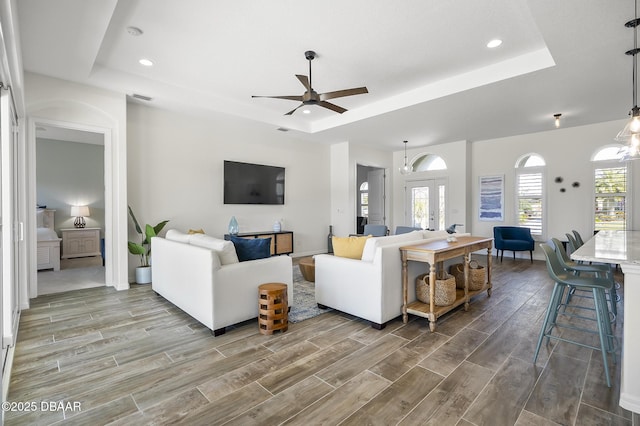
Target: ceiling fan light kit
311	97
630	135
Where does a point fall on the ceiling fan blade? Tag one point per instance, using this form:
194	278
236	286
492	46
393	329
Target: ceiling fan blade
332	107
305	81
342	93
291	98
294	110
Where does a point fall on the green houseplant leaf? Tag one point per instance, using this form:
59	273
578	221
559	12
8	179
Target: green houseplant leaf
143	249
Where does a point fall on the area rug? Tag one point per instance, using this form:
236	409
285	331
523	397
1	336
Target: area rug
304	299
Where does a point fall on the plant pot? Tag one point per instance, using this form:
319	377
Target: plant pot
143	274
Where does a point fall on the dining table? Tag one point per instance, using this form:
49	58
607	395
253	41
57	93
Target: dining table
622	248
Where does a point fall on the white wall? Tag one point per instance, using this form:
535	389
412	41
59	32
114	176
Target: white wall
567	153
175	172
455	155
345	158
70	174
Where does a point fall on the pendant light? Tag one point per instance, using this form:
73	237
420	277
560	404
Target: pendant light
630	135
406	169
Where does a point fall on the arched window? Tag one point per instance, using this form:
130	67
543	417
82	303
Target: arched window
530	192
429	162
610	183
364	199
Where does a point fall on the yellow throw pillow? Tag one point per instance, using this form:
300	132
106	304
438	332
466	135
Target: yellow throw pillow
195	231
350	247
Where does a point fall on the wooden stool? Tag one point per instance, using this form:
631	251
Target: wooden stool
273	308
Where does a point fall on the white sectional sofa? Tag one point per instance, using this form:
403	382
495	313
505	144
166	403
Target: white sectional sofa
202	276
371	288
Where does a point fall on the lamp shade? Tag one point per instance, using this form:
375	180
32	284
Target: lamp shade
80	211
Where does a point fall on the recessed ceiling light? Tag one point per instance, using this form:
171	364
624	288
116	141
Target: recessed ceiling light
494	43
306	111
134	31
146	62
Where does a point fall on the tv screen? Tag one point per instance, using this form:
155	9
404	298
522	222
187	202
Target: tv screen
246	183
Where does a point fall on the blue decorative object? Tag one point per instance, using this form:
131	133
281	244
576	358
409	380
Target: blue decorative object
233	226
251	249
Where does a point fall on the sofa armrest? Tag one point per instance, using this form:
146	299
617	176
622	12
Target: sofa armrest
275	269
182	274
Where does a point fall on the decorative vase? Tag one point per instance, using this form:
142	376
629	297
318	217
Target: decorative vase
143	274
233	226
330	240
277	227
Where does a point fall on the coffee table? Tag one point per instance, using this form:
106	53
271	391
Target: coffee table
308	268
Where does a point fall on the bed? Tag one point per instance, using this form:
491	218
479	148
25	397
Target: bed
48	241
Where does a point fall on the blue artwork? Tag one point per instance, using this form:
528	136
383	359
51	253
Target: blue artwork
491	198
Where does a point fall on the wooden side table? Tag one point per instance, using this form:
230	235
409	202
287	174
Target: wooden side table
273	308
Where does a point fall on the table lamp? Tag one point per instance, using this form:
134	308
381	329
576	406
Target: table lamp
79	212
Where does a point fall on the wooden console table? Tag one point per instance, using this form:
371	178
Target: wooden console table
435	253
281	241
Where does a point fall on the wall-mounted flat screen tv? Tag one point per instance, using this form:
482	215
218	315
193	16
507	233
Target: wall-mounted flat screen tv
246	183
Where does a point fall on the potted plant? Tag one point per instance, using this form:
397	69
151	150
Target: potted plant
143	249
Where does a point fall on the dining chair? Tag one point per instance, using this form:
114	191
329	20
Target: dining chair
375	230
564	279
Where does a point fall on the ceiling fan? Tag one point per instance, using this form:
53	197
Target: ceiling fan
311	97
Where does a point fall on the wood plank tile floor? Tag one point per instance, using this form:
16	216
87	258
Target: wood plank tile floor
131	357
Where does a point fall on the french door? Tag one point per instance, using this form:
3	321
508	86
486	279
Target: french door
425	203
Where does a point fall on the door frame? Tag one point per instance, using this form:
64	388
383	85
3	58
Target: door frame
116	261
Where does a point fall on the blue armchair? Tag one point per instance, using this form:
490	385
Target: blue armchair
513	238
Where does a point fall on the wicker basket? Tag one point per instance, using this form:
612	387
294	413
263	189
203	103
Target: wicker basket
476	275
445	291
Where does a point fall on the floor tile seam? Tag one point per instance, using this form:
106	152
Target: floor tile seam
493	376
253	407
617	416
426	396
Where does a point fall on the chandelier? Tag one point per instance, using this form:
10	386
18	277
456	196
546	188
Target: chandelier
406	169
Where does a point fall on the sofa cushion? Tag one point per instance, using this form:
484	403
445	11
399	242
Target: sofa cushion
435	234
252	249
175	235
225	250
350	247
372	244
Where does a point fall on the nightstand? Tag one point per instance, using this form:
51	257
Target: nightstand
80	242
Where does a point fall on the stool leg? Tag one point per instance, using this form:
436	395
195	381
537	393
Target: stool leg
551	310
602	318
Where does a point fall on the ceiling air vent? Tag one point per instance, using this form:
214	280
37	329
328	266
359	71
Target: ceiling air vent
141	97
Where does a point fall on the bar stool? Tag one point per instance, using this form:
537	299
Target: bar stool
599	270
578	237
563	280
573	243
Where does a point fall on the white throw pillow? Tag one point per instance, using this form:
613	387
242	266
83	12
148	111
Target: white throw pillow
225	250
436	234
373	243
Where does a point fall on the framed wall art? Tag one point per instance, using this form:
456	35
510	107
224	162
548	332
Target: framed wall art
491	206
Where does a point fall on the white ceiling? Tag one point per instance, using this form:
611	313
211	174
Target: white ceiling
430	76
